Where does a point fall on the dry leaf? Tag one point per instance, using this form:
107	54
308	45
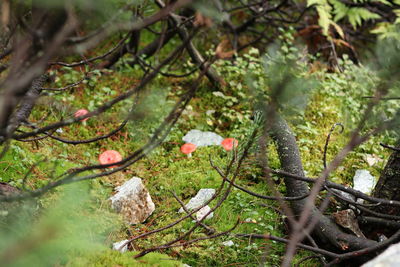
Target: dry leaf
220	53
202	21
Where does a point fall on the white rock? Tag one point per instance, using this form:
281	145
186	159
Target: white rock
389	258
201	197
200	138
186	265
118	246
363	181
228	243
202	212
133	201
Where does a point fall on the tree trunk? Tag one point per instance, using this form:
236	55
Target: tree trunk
388	186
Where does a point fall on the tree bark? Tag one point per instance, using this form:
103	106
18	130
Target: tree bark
388	185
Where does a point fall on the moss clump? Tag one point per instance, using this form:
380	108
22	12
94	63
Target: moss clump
115	258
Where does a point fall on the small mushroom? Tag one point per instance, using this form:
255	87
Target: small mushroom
110	156
188	148
81	112
229	143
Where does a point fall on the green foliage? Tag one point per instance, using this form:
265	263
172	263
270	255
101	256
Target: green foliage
355	15
12	163
115	258
332	11
312	101
253	79
386	30
363	82
68	226
97	10
289	86
324	13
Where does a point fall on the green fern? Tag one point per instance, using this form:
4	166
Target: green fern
340	10
324	13
387	30
331	11
357	15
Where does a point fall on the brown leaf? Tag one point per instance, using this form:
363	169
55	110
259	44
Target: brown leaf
202	21
224	45
340	43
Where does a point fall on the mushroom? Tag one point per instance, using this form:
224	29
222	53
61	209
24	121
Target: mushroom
110	156
81	112
188	148
229	143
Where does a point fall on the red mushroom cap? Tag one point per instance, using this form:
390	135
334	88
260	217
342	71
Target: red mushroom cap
188	148
81	112
228	143
110	156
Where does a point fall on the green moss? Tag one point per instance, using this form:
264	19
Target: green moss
115	258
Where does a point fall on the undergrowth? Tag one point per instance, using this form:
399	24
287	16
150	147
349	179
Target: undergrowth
332	98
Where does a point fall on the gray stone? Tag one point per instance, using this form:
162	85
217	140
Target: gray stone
133	201
118	246
201	197
389	258
200	138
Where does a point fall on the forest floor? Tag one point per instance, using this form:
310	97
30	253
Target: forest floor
227	111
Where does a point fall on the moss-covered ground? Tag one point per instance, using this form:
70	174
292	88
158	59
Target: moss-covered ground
334	97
